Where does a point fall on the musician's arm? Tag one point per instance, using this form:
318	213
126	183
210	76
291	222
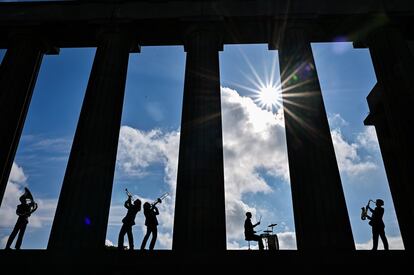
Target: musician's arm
34	208
156	211
127	203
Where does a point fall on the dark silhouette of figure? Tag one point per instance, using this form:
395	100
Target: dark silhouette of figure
150	212
249	231
128	221
377	224
24	210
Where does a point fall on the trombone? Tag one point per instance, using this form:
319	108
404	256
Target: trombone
159	200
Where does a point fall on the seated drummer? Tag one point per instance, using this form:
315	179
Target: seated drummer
249	232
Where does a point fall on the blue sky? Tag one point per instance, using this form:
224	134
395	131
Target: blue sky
255	159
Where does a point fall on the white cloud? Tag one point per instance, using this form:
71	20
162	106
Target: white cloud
44	214
165	239
52	144
15	188
353	158
137	150
254	139
368	139
117	213
4	241
233	245
287	240
235	216
349	161
395	243
336	121
254	143
17	175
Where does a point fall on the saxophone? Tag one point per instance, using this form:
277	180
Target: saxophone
364	210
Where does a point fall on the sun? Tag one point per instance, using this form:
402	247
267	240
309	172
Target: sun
263	83
268	97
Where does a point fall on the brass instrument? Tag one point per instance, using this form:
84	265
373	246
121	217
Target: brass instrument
128	193
364	210
28	198
159	200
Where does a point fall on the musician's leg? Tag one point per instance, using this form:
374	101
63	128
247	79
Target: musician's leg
121	237
259	240
375	235
13	234
154	237
21	233
130	238
261	247
144	241
384	239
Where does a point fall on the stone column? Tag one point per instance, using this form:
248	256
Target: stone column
18	74
82	212
321	216
199	223
391	103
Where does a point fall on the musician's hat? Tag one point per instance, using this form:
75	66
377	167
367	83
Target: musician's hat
379	202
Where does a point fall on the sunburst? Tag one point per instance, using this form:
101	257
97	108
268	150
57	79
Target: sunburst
268	97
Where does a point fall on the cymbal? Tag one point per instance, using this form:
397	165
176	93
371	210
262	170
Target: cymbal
267	231
271	225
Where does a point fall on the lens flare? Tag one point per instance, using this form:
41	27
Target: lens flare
268	97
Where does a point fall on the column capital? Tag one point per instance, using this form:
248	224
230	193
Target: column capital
282	34
384	25
210	29
24	36
116	31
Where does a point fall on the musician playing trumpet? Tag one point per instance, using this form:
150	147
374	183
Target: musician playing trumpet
378	227
128	221
151	212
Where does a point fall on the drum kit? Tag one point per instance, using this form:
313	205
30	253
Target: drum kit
271	241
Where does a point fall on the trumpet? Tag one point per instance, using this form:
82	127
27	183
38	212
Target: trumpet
159	200
364	210
128	193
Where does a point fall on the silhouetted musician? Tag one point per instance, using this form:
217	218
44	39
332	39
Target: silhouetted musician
249	232
24	210
150	212
377	224
128	221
